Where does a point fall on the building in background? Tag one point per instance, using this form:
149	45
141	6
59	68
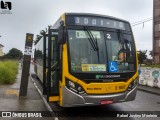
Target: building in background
156	31
1	50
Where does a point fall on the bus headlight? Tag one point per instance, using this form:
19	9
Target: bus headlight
74	86
71	84
133	84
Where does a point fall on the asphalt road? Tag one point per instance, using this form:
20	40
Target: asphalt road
145	105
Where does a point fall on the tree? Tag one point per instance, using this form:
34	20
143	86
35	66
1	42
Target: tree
151	53
38	54
142	56
14	53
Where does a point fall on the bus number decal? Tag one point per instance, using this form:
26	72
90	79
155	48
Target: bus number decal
108	36
94	21
77	19
115	24
121	25
101	22
85	21
122	87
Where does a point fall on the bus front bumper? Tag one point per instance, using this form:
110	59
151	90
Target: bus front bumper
72	99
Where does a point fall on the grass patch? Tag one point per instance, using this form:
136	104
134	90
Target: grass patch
8	71
152	66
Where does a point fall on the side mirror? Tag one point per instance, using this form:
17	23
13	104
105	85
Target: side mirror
61	33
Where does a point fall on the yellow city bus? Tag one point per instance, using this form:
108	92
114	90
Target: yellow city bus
87	59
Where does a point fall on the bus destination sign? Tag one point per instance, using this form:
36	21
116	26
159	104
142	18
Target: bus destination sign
98	22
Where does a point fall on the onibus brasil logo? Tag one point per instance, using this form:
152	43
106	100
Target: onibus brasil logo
5	7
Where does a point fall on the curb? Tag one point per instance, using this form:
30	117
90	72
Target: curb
147	91
44	100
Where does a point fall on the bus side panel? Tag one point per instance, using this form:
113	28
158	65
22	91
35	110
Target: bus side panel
38	56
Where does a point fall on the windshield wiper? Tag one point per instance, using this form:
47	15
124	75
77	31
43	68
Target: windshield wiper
93	41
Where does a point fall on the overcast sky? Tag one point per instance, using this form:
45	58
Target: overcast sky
31	16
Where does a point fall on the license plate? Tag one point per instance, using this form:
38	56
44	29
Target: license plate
104	102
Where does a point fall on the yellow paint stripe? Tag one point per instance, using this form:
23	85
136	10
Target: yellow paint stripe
12	92
53	98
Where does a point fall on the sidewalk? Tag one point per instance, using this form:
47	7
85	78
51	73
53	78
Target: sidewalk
10	100
152	90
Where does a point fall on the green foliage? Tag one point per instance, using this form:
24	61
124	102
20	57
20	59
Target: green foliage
142	56
151	53
148	61
38	54
8	71
14	53
152	66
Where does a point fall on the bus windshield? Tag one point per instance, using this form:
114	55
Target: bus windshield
101	51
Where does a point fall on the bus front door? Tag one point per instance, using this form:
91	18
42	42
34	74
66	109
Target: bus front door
53	66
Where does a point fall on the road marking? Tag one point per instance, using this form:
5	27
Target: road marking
12	92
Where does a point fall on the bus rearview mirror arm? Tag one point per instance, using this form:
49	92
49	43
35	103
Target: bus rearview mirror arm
61	33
